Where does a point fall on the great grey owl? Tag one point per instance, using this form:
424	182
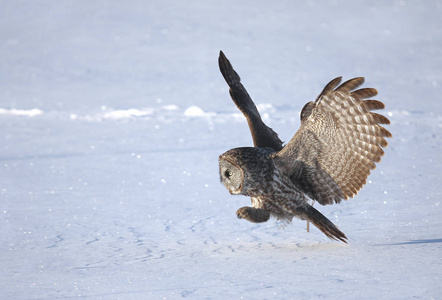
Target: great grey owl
327	160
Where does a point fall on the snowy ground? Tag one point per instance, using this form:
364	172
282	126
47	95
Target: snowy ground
112	117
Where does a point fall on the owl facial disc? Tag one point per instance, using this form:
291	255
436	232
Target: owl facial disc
231	176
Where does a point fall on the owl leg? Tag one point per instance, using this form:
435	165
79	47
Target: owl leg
251	214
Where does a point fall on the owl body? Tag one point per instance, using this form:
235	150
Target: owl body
269	188
328	159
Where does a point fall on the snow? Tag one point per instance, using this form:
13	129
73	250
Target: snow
194	111
112	118
21	112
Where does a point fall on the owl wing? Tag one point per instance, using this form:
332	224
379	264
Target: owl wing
263	136
338	143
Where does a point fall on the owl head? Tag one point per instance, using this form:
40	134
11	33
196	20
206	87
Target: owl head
246	171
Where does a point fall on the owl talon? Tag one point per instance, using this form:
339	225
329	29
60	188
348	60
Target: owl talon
242	213
254	215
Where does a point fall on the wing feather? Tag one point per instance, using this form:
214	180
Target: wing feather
351	84
339	141
365	93
263	136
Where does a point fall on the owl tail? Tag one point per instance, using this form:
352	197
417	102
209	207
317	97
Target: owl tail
325	225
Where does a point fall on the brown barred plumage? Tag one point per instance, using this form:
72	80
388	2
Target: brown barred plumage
328	159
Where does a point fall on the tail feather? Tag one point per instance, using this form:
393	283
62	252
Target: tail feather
322	223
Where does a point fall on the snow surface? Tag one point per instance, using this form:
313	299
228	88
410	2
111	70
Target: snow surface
112	117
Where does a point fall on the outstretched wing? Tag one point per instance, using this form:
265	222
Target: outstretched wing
263	136
339	141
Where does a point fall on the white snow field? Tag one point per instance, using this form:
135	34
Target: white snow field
112	117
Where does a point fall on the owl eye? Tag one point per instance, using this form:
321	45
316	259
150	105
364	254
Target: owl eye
228	174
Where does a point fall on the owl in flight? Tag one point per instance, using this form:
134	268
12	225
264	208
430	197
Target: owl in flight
328	159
